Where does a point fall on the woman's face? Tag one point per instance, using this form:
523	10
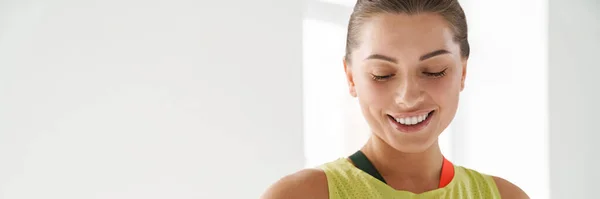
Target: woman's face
407	73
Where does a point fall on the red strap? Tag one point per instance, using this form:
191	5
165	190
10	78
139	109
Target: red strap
447	173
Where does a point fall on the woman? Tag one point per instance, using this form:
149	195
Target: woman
406	62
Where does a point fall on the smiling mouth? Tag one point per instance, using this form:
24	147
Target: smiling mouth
411	124
414	120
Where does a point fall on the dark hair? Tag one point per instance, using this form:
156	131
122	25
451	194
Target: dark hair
449	9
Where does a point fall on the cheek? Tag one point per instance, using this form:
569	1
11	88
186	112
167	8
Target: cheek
445	91
374	94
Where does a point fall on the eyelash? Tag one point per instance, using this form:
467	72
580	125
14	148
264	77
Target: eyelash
381	78
436	75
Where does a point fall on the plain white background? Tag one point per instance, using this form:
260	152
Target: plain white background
574	98
148	99
218	99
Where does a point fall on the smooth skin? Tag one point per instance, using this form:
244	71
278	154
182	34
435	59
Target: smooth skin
404	64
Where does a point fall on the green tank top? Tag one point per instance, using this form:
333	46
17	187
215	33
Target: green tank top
344	181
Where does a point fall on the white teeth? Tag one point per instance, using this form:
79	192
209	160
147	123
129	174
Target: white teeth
412	120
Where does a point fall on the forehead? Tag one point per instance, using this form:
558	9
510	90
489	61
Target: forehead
406	36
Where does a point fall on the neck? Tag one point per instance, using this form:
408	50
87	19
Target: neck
395	164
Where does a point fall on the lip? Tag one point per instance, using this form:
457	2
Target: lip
411	128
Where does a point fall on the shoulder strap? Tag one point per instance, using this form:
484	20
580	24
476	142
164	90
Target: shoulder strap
447	173
363	163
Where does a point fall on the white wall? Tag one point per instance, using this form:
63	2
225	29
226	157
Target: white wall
574	98
501	127
328	107
148	99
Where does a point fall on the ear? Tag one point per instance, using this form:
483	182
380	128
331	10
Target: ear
463	75
349	78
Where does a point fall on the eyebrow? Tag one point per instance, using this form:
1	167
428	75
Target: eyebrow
433	54
422	58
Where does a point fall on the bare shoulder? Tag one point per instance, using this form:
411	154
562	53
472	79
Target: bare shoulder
307	183
508	189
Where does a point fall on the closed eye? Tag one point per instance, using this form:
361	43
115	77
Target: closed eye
381	78
436	74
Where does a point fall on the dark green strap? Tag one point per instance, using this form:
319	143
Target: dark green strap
362	162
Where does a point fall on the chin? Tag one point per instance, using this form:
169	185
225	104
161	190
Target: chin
412	146
415	142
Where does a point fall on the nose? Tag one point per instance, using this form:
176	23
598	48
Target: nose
409	93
